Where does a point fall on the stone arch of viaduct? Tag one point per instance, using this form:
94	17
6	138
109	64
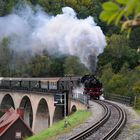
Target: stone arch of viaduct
40	111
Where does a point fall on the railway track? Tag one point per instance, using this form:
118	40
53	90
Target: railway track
108	127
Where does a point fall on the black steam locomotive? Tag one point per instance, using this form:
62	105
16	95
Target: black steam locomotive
92	86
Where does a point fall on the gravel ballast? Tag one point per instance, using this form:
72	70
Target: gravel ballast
97	112
131	131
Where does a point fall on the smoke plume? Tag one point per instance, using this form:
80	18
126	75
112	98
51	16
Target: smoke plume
63	34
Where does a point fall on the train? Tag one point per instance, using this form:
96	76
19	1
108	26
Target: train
41	84
92	86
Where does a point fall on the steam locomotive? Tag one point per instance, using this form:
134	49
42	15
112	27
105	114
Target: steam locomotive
92	86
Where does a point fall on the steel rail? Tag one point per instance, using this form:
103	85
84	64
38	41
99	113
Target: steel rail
90	130
113	132
120	124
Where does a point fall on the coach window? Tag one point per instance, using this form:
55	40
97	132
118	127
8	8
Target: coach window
50	85
53	85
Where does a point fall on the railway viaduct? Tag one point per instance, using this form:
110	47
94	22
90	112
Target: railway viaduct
40	111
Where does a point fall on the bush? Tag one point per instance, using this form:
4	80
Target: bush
137	105
136	87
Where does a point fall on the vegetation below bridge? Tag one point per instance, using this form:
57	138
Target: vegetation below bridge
59	128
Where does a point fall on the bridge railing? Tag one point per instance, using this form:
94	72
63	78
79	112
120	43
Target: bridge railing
119	98
83	98
25	89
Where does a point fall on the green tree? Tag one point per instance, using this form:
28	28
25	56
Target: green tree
126	12
107	74
5	57
136	81
51	7
134	39
73	66
118	53
6	6
118	84
136	87
83	8
40	66
56	67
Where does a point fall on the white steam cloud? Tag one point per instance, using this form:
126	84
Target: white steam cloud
63	34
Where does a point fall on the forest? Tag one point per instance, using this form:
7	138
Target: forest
118	67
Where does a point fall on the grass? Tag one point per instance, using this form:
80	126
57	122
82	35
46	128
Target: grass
58	128
134	127
138	111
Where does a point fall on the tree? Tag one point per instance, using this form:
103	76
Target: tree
118	53
6	6
83	8
73	66
118	84
40	66
5	57
107	74
56	67
136	87
134	39
126	12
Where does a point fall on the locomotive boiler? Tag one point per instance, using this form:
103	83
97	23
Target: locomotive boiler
92	86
